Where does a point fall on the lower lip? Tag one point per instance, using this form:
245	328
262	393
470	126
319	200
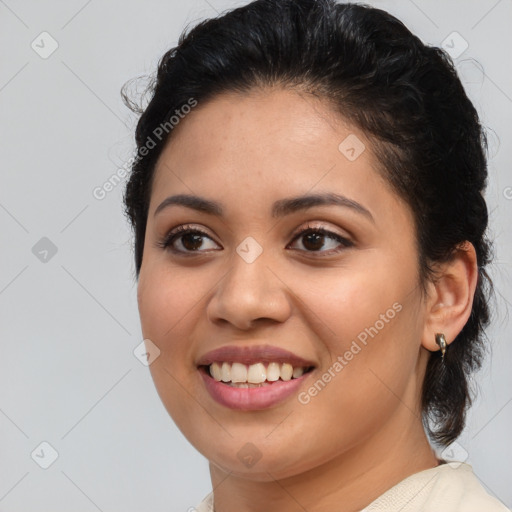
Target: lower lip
251	399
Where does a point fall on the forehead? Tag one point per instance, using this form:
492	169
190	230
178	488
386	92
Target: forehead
266	144
263	126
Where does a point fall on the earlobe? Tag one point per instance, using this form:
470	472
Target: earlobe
451	299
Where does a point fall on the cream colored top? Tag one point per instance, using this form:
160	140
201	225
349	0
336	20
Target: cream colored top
450	487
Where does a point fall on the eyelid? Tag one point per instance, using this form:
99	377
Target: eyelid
312	225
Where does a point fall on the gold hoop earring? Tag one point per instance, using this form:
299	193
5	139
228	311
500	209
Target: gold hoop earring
441	341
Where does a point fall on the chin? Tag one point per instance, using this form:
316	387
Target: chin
249	462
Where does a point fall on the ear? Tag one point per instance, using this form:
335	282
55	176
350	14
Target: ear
450	297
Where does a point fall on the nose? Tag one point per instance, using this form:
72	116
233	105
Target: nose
248	294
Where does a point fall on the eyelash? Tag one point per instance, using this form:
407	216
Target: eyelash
168	240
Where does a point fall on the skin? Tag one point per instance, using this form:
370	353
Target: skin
362	433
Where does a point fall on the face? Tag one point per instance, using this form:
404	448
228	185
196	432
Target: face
261	282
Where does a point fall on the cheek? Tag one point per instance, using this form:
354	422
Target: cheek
166	301
370	328
165	297
359	302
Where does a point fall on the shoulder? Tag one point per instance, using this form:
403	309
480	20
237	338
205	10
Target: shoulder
450	487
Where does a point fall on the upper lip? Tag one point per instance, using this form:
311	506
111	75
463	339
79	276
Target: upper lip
253	354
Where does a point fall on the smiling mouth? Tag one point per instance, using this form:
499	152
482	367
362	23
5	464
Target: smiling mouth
255	375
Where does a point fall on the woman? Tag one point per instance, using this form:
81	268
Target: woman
310	248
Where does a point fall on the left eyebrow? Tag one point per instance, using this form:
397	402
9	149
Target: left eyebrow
294	204
280	208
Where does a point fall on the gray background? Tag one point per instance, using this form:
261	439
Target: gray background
69	320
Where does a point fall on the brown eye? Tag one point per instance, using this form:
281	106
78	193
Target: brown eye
315	238
313	241
191	240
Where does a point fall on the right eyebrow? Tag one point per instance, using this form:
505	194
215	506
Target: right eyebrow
194	202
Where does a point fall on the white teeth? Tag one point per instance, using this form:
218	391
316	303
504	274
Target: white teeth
297	372
216	372
258	374
248	385
226	372
273	372
286	371
238	372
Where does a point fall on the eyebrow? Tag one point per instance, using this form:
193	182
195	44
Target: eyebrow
280	208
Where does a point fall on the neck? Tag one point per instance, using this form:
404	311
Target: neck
347	482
